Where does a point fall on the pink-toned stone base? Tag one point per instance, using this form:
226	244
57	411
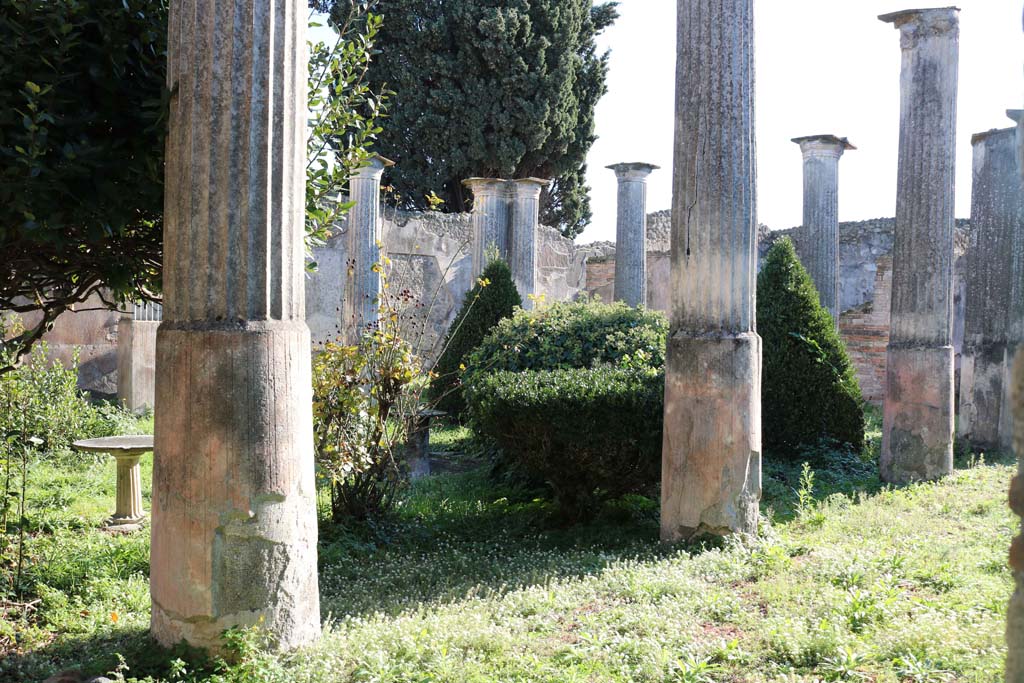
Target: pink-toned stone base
917	429
233	513
711	460
984	379
1015	611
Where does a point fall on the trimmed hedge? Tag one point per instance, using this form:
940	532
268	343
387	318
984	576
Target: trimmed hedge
573	335
809	391
492	298
573	395
591	434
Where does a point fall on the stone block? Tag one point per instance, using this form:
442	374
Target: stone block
711	466
917	433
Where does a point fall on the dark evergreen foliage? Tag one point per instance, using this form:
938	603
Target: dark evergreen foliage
493	297
491	88
82	119
809	390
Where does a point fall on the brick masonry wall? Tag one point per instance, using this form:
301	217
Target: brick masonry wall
865	329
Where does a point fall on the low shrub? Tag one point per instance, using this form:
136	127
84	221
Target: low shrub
492	298
572	394
591	434
41	399
568	335
361	395
809	389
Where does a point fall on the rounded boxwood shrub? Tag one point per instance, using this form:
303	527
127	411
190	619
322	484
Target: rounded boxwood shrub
573	395
591	434
573	335
809	390
492	298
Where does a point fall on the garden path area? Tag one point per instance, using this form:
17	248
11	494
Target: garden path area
473	581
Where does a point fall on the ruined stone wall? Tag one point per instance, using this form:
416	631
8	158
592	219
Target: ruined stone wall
92	331
430	257
865	279
431	263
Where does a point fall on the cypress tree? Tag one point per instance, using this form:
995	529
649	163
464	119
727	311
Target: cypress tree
809	388
492	298
491	88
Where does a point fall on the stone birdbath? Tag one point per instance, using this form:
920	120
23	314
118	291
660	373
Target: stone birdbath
128	514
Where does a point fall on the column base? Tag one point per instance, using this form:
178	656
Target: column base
917	428
711	457
984	377
234	505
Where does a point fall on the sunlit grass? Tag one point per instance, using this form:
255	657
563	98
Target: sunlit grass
474	581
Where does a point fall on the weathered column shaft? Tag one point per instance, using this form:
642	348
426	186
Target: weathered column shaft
234	505
523	236
1015	610
491	215
631	233
917	436
997	215
711	463
363	290
820	246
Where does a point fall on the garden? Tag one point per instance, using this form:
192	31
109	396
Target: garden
531	552
483	500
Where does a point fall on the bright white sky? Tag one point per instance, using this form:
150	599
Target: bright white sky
823	66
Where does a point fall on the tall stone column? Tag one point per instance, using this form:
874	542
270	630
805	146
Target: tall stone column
820	248
1015	324
491	213
917	433
1015	610
523	236
631	233
234	507
363	290
711	462
997	216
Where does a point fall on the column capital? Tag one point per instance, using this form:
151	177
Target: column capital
1015	115
485	186
978	138
915	24
528	187
827	145
632	171
373	168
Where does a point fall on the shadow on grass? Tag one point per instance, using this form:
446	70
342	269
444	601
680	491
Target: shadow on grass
97	655
462	536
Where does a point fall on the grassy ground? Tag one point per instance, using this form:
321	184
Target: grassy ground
471	582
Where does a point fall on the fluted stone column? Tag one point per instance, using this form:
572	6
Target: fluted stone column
997	216
631	233
363	289
1015	324
820	248
234	507
524	225
491	215
1015	610
917	435
711	463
